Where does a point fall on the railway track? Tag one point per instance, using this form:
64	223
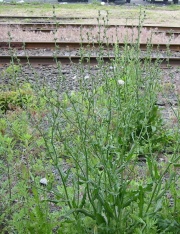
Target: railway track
92	60
41	17
78	45
50	26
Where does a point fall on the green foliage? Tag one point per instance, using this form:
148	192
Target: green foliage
96	2
102	131
11	70
37	220
3	126
22	97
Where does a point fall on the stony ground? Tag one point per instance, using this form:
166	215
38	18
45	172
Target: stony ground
49	75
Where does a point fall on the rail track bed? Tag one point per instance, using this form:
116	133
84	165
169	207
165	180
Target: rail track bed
164	62
50	26
67	51
90	33
74	52
44	55
2	17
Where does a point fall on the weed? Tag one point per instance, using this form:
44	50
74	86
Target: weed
88	144
11	100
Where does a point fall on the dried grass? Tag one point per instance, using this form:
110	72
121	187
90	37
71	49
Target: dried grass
69	33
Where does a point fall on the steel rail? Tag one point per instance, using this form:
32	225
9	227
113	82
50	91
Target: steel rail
41	17
45	26
78	45
46	30
50	17
164	62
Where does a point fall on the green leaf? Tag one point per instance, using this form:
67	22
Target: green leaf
108	209
153	128
158	206
100	219
83	211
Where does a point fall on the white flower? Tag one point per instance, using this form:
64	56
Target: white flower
86	77
43	181
121	82
103	3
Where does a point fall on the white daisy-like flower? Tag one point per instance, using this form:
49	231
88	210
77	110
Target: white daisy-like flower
86	77
43	181
103	3
121	82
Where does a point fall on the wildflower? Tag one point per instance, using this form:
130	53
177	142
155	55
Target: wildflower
21	1
86	77
43	181
121	82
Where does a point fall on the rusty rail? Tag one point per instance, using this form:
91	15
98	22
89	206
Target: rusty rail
164	62
41	17
78	45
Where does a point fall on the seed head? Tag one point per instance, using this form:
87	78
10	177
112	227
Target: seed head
121	82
